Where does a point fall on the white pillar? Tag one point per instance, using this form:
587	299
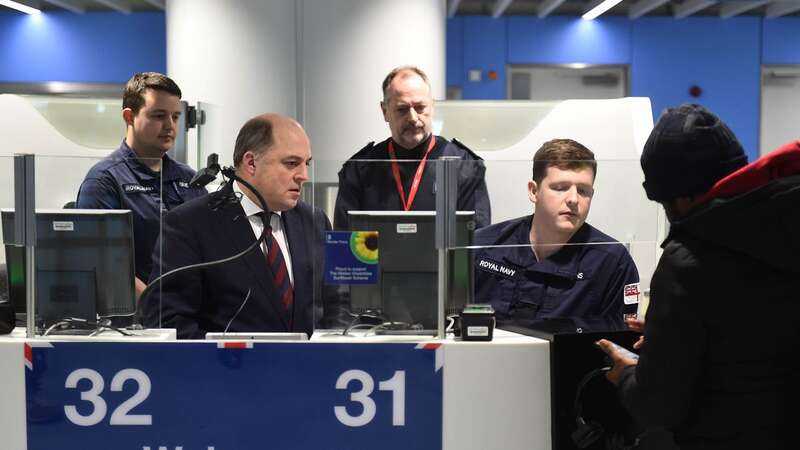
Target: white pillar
348	47
321	61
237	55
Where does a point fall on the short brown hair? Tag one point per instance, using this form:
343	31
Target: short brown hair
255	135
397	71
133	97
564	154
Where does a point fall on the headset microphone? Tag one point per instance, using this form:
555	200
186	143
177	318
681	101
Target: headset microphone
207	174
230	174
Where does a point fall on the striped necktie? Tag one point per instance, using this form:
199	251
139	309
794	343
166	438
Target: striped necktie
280	275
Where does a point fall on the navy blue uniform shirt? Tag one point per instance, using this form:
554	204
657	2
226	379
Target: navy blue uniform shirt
121	181
579	281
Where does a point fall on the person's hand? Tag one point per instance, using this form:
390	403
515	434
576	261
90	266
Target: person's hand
636	325
620	357
139	287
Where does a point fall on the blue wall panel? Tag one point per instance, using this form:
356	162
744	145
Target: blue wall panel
563	40
722	57
485	50
782	41
455	52
103	47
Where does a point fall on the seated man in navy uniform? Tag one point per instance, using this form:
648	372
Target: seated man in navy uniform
139	175
399	185
568	269
272	289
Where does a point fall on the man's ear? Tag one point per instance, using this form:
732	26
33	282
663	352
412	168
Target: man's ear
533	191
127	116
249	163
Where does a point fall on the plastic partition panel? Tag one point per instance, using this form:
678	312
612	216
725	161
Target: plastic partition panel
7	283
380	259
513	131
6	202
96	232
209	139
27	130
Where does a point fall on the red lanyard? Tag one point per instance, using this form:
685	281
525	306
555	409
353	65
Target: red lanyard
417	177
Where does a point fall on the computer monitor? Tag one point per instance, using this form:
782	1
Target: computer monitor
407	287
84	262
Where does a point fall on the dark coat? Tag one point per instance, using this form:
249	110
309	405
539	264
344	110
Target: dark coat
199	301
720	366
366	182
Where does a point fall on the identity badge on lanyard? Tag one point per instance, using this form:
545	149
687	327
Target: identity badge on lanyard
417	176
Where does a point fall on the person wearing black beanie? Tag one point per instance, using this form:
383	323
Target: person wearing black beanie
688	151
719	362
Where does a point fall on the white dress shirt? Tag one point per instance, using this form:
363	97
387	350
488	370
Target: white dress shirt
253	212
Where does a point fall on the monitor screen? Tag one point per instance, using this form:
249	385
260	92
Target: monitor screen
84	262
407	287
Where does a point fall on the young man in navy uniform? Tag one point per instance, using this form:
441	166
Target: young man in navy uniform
567	269
398	175
139	175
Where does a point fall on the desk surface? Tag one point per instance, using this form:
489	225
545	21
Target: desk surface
151	335
501	337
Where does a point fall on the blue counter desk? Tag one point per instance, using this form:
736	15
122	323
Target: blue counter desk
151	392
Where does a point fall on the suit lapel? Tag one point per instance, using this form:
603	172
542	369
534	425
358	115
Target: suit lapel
298	239
292	227
236	226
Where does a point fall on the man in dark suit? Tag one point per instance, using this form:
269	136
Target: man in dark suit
271	288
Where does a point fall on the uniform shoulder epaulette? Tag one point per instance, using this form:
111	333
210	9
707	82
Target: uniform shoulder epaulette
465	148
364	150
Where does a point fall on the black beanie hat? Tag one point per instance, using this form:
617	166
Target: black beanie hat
688	151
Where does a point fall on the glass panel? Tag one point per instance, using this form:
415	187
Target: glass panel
88	259
6	181
380	267
170	258
585	275
509	129
67	136
29	130
12	283
209	136
614	130
84	257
